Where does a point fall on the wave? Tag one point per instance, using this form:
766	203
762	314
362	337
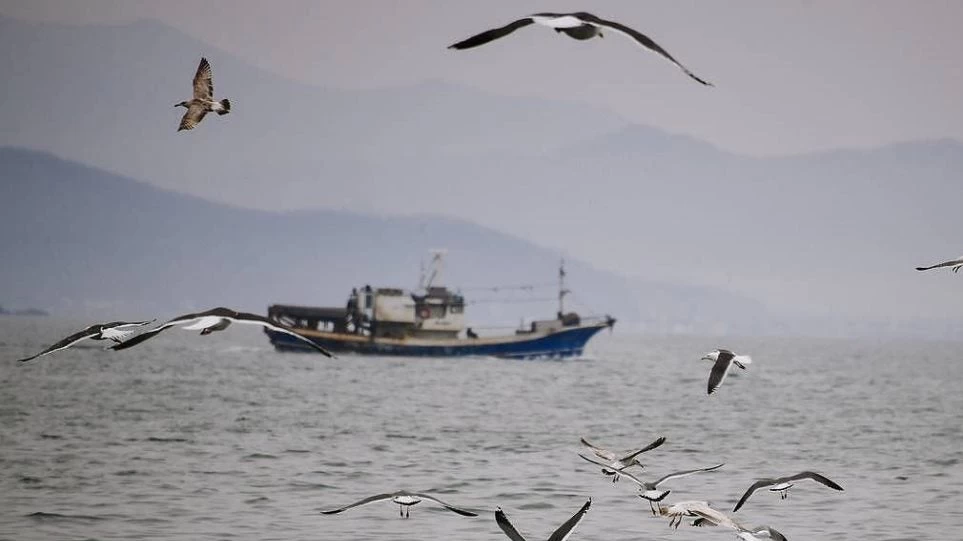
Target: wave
43	515
158	439
254	456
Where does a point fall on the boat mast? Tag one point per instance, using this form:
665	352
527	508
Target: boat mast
561	287
436	266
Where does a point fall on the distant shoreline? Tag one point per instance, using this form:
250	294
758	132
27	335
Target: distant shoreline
24	312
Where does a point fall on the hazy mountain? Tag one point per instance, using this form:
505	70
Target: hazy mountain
830	237
104	95
79	240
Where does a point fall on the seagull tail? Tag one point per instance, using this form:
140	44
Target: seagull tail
225	107
744	359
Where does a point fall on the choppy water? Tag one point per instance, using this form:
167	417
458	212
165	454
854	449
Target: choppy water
222	438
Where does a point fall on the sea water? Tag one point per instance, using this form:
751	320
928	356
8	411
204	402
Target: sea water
220	437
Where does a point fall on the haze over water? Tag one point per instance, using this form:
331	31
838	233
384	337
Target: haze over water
220	437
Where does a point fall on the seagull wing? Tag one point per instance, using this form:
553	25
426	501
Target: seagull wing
447	506
761	483
195	113
186	318
254	319
565	530
815	477
124	326
641	39
93	330
599	452
714	516
685	473
623	473
506	526
120	330
719	370
648	447
491	35
203	81
369	499
766	531
951	263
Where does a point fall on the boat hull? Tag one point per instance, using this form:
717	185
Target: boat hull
565	342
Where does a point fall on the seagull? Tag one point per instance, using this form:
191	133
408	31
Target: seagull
203	100
580	26
617	462
649	491
115	330
405	500
724	359
760	533
955	263
713	517
677	511
561	534
783	484
217	319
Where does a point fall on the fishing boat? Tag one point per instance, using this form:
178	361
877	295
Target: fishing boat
428	322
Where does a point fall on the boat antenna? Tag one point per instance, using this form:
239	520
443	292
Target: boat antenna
561	287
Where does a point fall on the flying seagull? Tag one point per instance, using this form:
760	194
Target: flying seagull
115	330
405	500
723	359
580	26
561	534
203	101
216	319
618	462
713	517
783	484
955	263
677	511
649	491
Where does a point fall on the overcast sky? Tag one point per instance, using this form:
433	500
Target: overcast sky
791	76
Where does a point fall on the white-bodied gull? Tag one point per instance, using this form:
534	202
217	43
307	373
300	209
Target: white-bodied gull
580	26
679	510
723	359
561	534
405	500
217	319
115	330
203	101
619	462
649	491
783	484
713	517
957	264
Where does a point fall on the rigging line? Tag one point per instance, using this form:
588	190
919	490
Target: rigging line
509	287
511	301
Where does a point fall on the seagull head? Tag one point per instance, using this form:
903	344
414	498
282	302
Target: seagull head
206	331
711	356
181	104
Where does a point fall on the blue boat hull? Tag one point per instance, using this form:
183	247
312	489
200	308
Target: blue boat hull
566	342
